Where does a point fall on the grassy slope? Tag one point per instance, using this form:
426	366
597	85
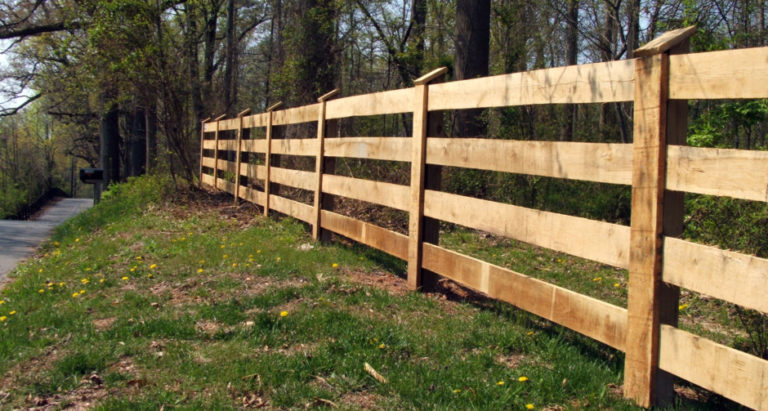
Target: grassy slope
142	302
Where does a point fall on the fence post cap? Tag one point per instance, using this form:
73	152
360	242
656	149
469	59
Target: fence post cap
329	95
665	42
220	117
205	120
244	112
430	76
274	106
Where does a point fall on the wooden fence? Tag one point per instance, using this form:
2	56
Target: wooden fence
657	165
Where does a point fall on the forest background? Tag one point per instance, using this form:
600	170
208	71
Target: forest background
124	85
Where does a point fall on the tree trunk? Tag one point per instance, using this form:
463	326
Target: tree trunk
471	59
571	58
229	85
110	140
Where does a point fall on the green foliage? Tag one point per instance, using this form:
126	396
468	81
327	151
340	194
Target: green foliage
732	124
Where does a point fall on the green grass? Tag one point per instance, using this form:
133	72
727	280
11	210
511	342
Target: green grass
163	298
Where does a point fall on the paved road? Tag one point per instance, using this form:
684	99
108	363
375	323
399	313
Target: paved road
19	239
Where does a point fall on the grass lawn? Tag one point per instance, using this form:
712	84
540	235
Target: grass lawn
176	299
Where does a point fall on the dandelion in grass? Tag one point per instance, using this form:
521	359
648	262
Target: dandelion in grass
199	270
13	312
523	378
529	333
278	259
225	256
335	265
149	275
82	292
283	313
153	266
3	318
138	257
597	279
456	391
101	280
125	278
133	269
61	284
258	251
85	281
382	346
500	383
75	294
234	265
77	240
41	291
529	406
40	270
223	246
682	307
56	243
617	285
2	302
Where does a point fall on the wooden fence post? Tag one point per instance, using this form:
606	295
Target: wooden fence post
267	154
418	167
648	302
319	161
202	143
238	153
216	153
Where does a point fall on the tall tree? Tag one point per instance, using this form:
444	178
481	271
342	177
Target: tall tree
471	58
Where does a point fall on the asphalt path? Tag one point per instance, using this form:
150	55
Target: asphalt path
19	239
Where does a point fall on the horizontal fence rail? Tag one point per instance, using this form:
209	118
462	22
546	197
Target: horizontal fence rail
658	83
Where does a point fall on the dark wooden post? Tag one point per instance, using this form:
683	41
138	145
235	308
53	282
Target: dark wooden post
268	154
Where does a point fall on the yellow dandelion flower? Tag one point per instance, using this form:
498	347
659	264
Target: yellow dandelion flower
82	292
87	269
101	280
500	383
199	270
61	284
241	244
234	264
225	256
85	281
149	275
258	251
617	285
529	406
382	346
56	243
2	302
125	278
133	268
41	291
13	312
138	257
223	246
153	266
278	259
523	379
75	294
2	318
529	333
597	279
283	313
40	270
77	240
682	307
335	265
456	391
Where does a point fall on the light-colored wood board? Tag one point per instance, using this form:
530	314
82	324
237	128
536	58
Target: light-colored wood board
295	209
255	145
599	162
735	277
595	240
372	148
594	318
209	144
254	171
293	178
377	192
728	74
418	168
665	42
734	374
295	146
383	102
371	235
645	248
255	120
295	115
227	145
209	162
208	179
209	127
229	124
225	165
434	75
722	172
225	185
589	83
254	196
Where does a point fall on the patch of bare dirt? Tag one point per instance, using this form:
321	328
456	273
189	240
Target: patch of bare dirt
361	400
208	327
393	284
90	391
102	324
511	361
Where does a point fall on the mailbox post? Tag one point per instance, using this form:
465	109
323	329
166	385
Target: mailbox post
93	176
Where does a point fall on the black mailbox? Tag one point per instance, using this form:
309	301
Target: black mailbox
92	175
